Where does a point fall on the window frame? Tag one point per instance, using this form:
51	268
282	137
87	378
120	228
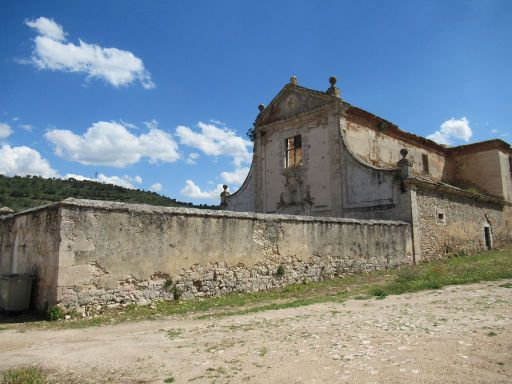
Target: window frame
424	162
293	151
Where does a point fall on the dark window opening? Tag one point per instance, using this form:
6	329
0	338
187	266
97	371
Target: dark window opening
424	158
293	152
440	216
487	233
510	163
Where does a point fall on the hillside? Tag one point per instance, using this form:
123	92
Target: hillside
20	193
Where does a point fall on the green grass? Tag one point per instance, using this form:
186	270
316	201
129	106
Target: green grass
487	266
31	375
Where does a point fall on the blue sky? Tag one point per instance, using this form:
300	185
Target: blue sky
159	95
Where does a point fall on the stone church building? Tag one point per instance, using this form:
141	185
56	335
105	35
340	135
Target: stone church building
317	155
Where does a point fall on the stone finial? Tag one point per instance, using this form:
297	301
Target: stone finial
223	197
293	80
404	164
333	90
261	107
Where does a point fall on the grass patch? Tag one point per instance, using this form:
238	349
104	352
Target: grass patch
30	375
486	266
378	292
174	333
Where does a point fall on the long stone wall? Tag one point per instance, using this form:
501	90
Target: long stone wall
450	224
111	254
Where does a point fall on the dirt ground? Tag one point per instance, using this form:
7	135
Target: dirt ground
460	334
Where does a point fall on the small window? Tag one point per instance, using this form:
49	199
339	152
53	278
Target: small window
424	160
440	217
293	152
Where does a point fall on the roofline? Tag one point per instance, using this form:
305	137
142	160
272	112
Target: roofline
393	130
480	147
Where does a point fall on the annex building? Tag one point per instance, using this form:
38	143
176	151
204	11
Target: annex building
317	155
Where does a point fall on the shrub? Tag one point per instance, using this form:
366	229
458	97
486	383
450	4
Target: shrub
378	292
168	285
280	271
176	293
54	313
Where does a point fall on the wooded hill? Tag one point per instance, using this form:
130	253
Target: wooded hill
20	193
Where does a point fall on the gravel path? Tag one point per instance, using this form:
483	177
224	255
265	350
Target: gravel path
460	334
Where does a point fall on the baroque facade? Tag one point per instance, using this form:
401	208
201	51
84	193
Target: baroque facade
317	155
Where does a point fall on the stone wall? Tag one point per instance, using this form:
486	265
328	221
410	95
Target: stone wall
29	243
114	253
450	223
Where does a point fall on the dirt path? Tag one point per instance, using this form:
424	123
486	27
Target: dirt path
461	334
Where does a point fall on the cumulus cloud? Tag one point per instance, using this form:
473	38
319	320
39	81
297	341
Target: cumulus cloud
453	129
137	179
193	191
111	144
157	187
5	131
192	158
23	161
216	141
124	181
115	66
236	177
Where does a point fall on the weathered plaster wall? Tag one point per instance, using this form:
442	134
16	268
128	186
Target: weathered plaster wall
304	190
29	244
506	175
368	191
243	200
114	253
481	170
381	150
463	229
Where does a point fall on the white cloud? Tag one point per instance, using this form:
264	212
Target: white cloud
152	124
137	179
216	141
117	67
453	129
193	191
24	161
157	187
48	27
192	158
5	130
125	181
110	143
26	127
236	177
494	131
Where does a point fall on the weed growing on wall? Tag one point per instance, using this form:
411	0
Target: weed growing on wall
54	313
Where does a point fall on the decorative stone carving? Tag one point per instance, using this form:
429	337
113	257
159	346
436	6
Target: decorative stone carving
296	193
